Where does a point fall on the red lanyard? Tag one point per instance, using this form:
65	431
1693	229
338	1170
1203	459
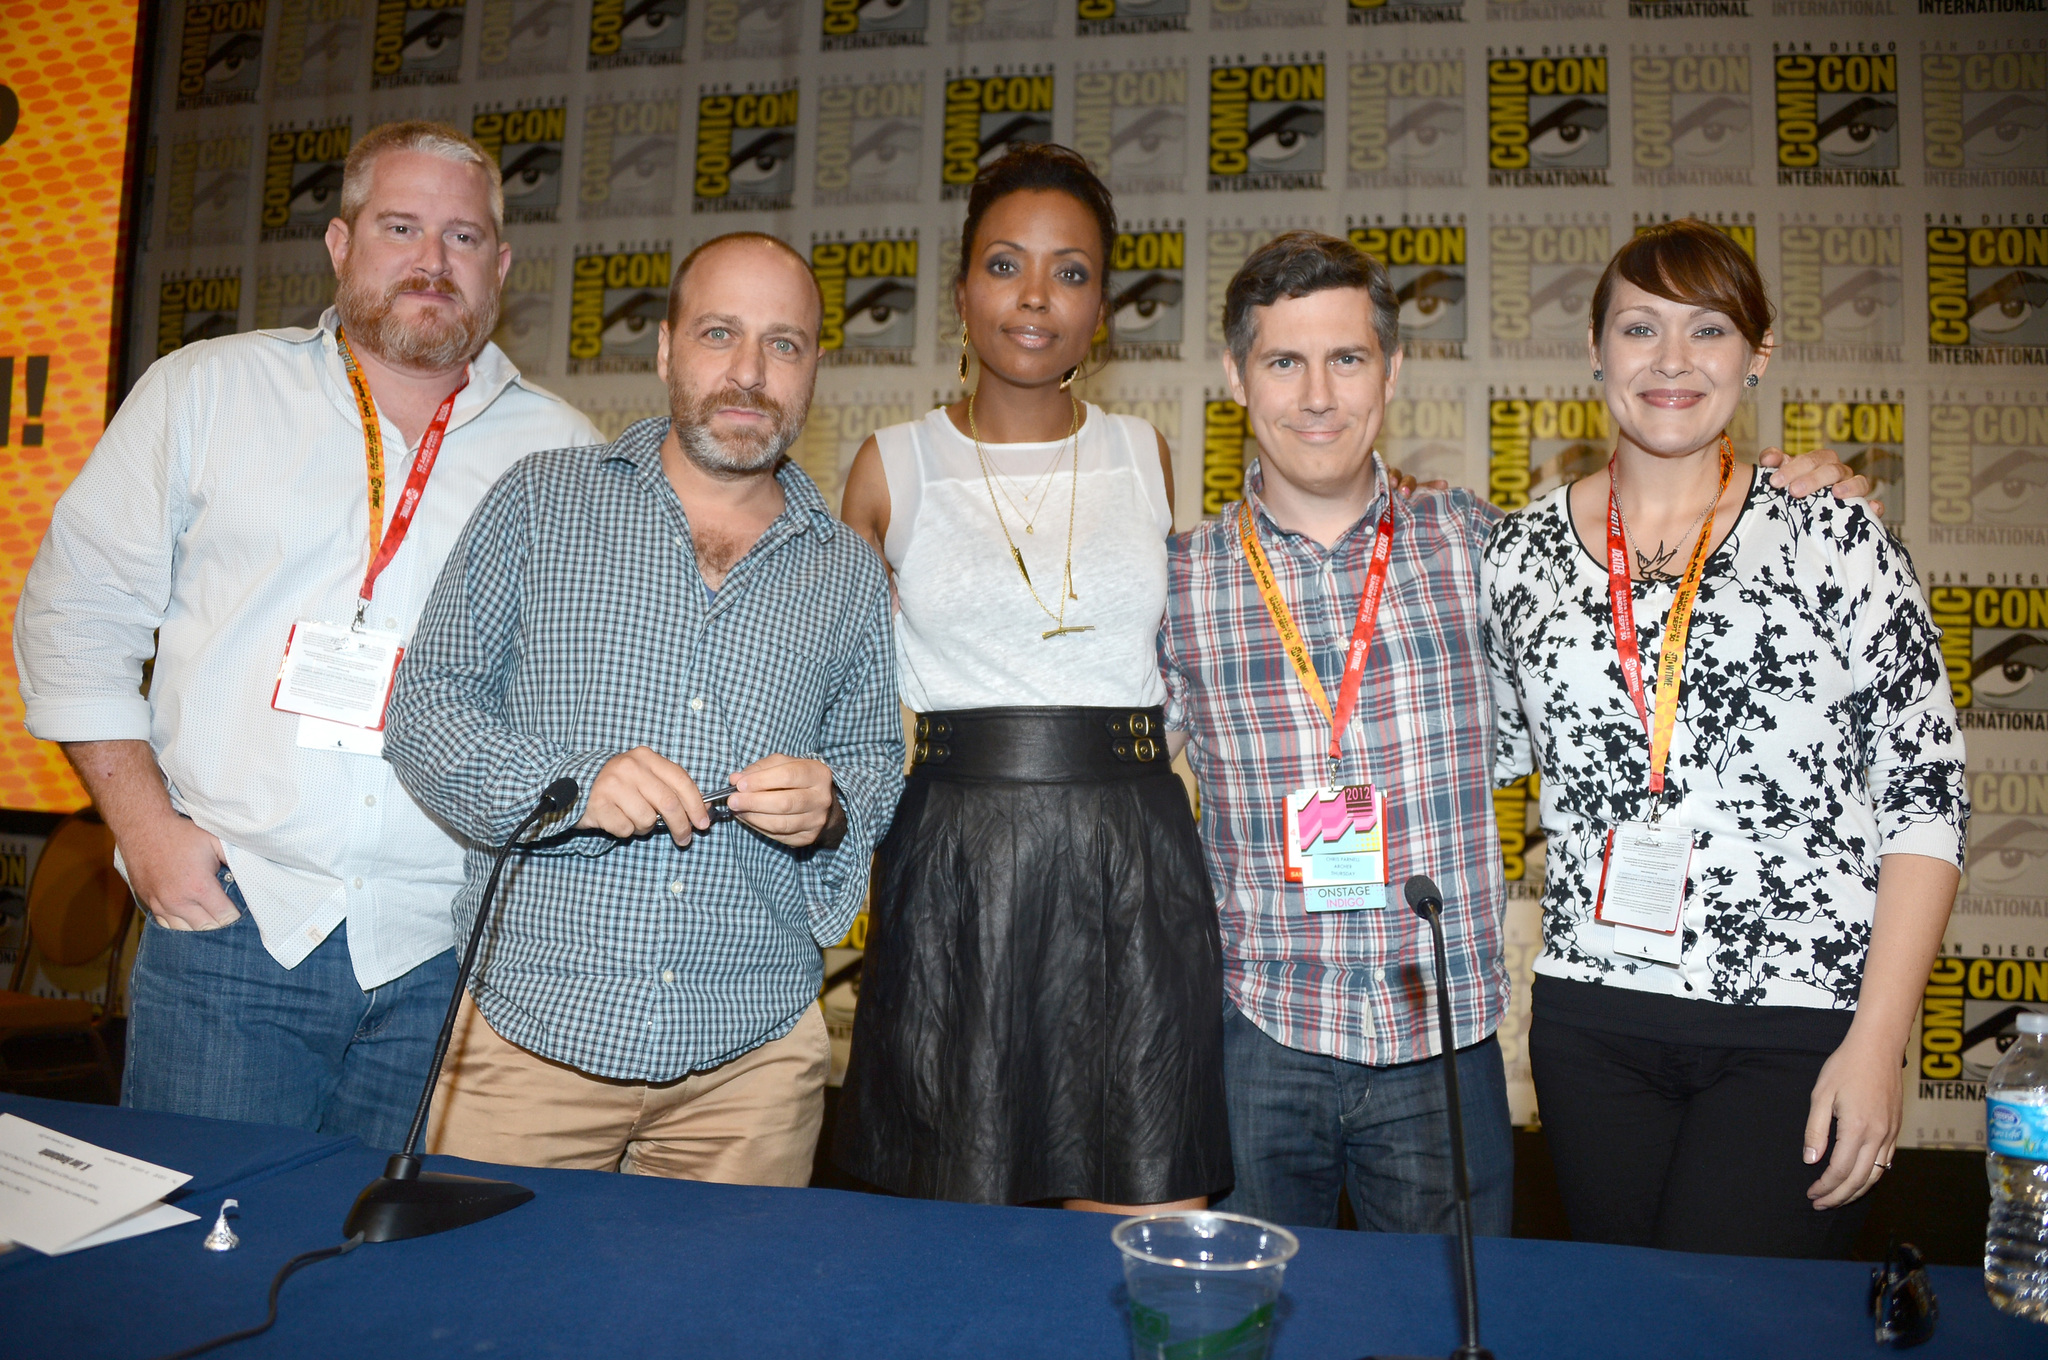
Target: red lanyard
1361	630
1678	623
385	545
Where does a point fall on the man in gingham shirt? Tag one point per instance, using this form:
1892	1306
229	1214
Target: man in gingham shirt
653	618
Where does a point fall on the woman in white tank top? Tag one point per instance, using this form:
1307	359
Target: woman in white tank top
1041	1002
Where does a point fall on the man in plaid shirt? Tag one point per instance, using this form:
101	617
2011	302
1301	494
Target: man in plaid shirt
1331	1055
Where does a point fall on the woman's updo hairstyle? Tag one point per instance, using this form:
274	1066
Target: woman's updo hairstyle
1038	165
1690	262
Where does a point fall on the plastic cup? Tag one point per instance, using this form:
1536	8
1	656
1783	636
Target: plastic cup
1202	1285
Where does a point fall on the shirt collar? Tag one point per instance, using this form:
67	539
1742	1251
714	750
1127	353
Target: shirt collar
490	372
639	445
1255	482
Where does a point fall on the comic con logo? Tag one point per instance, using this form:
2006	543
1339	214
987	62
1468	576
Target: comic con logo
528	145
1132	125
527	306
1225	433
1839	294
1541	281
314	51
1266	126
295	297
1870	436
635	33
870	293
522	38
1546	120
1403	12
985	114
2008	854
835	429
1691	119
189	309
220	53
1148	293
1405	124
1986	120
617	302
1988	466
1994	644
629	157
1537	445
1001	20
208	190
868	138
746	150
1427	267
1838	118
1967	1018
1425	435
416	42
1097	18
850	24
302	180
1987	295
751	28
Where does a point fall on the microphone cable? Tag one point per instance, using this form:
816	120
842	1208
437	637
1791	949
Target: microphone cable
284	1273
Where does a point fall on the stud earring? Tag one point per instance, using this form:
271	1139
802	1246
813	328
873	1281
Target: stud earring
1067	378
1599	375
963	351
1750	380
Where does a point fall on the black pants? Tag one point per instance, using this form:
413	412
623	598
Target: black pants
1683	1147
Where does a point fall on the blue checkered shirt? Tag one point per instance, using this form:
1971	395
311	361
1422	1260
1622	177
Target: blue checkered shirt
571	624
1352	985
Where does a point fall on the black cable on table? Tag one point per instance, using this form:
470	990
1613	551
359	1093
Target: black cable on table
284	1273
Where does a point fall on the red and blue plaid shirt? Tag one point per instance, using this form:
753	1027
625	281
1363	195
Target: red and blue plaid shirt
1353	985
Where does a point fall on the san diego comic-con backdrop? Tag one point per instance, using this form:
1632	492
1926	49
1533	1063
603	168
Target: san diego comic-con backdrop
1884	161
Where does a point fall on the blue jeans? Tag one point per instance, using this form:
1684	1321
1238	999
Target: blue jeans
1303	1128
216	1027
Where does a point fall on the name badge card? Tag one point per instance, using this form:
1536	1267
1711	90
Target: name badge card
338	674
1335	847
1642	889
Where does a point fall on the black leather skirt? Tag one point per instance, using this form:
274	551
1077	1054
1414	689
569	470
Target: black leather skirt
1041	1003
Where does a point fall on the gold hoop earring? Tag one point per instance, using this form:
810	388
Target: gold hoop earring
963	351
1067	378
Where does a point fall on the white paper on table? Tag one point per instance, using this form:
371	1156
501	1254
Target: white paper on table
56	1189
145	1220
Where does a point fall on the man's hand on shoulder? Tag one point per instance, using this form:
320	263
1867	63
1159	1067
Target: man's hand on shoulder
789	799
1810	472
173	866
1406	486
635	789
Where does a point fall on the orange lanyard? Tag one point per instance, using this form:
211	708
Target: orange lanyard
1290	636
1678	624
384	546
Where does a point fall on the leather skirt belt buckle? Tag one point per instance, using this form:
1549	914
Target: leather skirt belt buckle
930	750
1136	739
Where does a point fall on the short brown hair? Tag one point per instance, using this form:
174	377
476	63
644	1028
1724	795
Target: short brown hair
415	134
675	287
1688	261
1295	264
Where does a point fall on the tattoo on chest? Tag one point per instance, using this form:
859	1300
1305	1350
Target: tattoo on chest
1657	567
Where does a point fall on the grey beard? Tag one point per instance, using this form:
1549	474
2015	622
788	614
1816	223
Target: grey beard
716	456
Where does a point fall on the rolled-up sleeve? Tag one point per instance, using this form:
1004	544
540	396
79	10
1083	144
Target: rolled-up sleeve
101	582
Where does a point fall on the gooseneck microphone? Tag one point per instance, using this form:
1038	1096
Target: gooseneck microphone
406	1201
1428	903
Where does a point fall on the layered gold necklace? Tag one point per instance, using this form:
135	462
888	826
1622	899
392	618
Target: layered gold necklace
1066	592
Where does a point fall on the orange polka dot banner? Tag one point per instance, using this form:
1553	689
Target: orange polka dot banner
66	69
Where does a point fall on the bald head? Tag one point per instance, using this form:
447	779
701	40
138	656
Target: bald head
746	255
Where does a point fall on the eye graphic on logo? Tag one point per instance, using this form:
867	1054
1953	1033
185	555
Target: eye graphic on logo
537	25
1860	300
643	161
2013	129
2014	851
213	195
2009	303
891	138
1557	309
209	326
1857	128
1154	136
318	191
651	19
1025	127
1710	130
1138	307
762	158
763	15
438	37
1883	466
634	321
227	62
532	170
1431	127
2011	488
885	14
874	312
523	321
2008	675
1429	297
1569	463
1566	129
1291	136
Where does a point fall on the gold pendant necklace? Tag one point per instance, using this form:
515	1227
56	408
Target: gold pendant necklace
1060	624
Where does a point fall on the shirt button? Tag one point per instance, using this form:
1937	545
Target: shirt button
675	887
369	800
668	975
391	623
679	540
1379	975
697	703
359	883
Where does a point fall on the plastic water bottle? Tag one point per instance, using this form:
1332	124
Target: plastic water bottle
2016	1159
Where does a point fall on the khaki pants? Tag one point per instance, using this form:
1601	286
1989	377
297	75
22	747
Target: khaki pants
751	1121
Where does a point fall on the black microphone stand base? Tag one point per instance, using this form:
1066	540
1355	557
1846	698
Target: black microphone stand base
407	1202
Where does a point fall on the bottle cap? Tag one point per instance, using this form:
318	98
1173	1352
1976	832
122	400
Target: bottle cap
2032	1022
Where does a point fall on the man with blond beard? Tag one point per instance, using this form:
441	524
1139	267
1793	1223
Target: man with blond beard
655	618
289	487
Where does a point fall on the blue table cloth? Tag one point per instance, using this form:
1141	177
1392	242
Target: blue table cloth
604	1265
